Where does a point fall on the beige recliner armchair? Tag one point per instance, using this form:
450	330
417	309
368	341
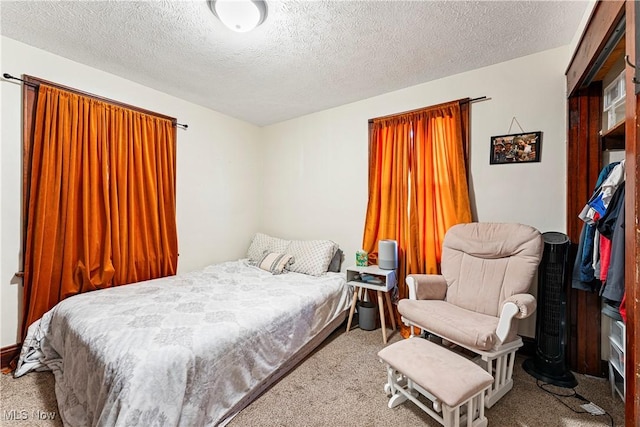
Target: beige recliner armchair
487	268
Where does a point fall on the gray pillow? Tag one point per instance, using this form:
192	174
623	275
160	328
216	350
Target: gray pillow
336	261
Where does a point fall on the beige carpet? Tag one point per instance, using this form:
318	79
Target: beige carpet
341	384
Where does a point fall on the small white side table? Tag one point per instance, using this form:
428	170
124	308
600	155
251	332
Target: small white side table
382	282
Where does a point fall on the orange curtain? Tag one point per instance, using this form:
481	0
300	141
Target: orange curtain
101	200
417	186
387	215
439	191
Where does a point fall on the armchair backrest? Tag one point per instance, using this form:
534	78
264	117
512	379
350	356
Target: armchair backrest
486	263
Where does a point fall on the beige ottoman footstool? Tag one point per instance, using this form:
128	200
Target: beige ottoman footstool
453	384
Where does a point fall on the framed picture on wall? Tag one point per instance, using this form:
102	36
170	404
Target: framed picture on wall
515	148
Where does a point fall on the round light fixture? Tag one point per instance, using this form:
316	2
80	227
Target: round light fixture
239	15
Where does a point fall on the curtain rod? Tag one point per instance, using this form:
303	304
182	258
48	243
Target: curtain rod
36	85
9	76
465	101
480	98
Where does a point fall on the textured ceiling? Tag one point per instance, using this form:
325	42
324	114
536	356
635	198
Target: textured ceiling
307	56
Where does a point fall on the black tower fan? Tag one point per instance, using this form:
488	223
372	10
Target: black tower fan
549	364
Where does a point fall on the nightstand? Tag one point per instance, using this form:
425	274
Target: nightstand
379	280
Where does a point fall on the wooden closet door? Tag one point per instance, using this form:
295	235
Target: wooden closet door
632	219
584	162
600	28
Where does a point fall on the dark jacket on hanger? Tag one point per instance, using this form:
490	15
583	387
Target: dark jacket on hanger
576	282
614	286
607	223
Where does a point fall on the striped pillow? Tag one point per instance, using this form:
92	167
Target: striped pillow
275	262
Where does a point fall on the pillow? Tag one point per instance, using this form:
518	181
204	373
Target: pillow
275	262
262	244
336	261
311	256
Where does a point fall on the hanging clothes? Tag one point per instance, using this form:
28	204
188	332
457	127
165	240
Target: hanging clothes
606	226
623	309
583	272
600	199
605	257
599	264
614	286
576	279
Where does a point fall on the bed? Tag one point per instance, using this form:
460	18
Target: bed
186	350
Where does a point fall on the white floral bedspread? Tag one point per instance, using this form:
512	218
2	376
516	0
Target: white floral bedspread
177	351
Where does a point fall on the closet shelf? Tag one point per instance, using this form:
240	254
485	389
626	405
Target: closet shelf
613	139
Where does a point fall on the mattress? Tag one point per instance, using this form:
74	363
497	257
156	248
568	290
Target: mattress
184	350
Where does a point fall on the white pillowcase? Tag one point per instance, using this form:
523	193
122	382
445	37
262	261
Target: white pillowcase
262	244
311	256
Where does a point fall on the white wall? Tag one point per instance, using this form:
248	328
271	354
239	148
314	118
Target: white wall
218	166
316	166
313	170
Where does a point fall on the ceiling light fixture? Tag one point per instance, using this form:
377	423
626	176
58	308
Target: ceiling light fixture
239	15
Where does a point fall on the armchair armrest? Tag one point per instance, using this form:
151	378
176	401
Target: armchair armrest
526	304
517	306
426	286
